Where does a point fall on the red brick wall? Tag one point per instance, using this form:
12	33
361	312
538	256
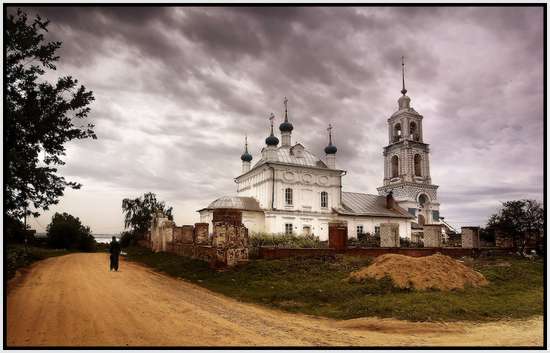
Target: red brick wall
281	253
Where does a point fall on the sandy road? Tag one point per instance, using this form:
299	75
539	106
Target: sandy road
74	300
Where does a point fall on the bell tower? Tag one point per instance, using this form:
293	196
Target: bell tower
407	162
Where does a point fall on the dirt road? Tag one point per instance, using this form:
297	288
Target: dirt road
74	300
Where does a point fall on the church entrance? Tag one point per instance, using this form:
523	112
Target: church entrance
307	230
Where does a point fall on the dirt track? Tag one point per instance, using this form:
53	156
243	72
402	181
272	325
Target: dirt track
74	300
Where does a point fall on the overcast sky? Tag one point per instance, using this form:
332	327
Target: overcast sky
178	88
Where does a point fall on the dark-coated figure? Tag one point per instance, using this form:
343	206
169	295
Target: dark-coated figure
114	249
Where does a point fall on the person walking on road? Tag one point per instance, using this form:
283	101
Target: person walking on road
114	249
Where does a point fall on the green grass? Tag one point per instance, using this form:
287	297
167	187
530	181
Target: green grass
17	258
318	287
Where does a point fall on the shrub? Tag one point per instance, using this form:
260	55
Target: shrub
280	240
127	238
67	232
365	240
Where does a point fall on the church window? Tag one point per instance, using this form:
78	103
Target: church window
412	211
435	216
288	196
288	228
324	199
359	231
396	132
394	166
417	165
422	199
377	230
413	131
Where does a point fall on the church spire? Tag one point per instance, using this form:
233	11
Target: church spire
246	157
404	90
271	140
286	127
404	102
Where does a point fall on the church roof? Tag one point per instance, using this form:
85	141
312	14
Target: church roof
289	155
235	202
359	204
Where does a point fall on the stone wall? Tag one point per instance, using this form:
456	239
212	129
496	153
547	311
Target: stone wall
231	243
432	235
470	237
389	235
228	245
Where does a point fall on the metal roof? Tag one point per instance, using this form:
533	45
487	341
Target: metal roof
289	155
235	202
358	204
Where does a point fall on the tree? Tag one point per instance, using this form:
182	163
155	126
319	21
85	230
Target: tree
39	118
523	220
139	212
67	232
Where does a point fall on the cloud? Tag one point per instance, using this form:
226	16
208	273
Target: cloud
177	88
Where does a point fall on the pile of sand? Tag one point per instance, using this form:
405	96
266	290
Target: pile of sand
435	271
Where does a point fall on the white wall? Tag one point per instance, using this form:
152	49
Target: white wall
369	223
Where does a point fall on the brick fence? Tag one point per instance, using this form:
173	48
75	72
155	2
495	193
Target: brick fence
281	253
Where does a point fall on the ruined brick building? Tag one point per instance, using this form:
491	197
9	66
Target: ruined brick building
290	190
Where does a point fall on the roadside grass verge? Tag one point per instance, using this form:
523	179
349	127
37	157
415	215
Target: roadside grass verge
16	257
318	287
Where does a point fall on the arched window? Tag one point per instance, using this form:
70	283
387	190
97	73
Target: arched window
422	200
324	199
394	166
412	131
288	196
417	165
397	132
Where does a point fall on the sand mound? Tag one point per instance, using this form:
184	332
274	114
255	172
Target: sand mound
435	271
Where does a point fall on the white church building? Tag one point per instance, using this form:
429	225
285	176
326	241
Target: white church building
290	190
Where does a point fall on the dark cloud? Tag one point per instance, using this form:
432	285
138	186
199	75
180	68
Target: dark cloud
177	88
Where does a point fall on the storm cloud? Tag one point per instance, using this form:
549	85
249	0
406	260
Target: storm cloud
177	88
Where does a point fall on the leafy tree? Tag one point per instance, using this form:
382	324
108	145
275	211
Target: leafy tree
139	212
523	220
67	232
39	117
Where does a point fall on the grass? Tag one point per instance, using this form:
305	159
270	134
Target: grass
318	287
16	257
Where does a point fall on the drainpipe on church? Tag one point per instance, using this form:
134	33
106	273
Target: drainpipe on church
341	175
272	186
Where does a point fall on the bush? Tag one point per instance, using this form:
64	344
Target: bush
67	232
127	238
280	240
408	243
365	240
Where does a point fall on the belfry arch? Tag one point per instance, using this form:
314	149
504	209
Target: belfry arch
417	162
394	166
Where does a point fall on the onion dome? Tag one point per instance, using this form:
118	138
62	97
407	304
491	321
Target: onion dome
330	149
271	140
286	126
246	157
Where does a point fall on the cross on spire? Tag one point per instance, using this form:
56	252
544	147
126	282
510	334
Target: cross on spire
404	91
286	109
271	118
246	143
329	129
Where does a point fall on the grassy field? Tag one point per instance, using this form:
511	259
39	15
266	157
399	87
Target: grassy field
318	287
17	258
